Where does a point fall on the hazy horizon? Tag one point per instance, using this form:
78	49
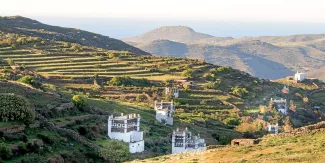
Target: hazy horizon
127	18
123	28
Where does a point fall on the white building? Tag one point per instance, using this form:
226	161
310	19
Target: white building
127	129
184	141
300	76
164	112
273	128
281	105
172	91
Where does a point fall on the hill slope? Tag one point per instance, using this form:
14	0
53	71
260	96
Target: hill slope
29	27
286	149
270	57
174	33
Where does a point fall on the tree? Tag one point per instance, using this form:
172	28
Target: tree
187	73
79	101
238	91
115	151
13	107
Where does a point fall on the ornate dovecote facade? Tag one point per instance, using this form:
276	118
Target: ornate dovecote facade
164	112
172	91
126	128
184	141
281	105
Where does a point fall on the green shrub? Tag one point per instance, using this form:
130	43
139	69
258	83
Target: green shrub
11	62
115	151
187	73
127	81
79	101
5	151
238	91
30	81
13	107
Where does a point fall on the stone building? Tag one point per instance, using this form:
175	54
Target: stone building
300	76
184	141
281	105
126	128
244	142
164	112
172	91
273	128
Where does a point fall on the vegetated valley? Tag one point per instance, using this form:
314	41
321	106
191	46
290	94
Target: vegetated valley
56	96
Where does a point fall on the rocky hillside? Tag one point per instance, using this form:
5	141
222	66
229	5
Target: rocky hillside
270	57
29	27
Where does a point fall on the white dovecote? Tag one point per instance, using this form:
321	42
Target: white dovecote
126	128
184	141
164	112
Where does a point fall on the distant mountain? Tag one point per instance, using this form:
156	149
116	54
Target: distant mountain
29	27
270	57
175	33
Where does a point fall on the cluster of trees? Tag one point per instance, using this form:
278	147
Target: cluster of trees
15	108
222	69
15	40
127	81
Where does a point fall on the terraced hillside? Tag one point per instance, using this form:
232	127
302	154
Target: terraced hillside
269	57
217	102
29	27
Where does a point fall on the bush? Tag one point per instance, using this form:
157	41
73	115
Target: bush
11	62
231	121
127	81
79	101
115	151
223	69
13	107
48	139
187	73
238	91
5	151
30	81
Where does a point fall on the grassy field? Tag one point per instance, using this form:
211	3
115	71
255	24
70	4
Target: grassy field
300	148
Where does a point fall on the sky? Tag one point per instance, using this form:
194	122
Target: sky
217	17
